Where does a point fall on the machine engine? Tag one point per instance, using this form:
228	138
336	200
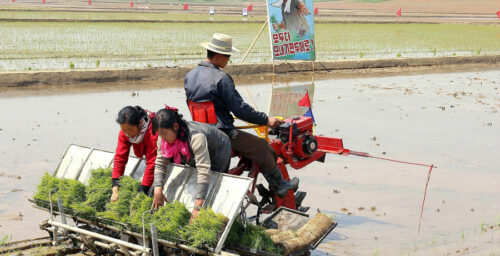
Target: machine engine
296	134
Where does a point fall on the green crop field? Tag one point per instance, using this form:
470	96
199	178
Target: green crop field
154	16
65	45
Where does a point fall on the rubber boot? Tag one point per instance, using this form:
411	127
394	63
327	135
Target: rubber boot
278	184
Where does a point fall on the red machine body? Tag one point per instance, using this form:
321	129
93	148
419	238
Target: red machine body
295	145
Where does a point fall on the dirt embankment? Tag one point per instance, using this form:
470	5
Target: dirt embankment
72	77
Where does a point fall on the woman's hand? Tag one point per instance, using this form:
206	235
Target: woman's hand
158	199
198	203
114	196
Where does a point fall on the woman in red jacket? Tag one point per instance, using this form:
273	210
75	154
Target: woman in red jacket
135	131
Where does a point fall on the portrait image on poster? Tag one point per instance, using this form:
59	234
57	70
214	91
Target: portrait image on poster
291	24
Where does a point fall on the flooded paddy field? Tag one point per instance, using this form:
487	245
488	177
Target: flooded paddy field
450	120
37	45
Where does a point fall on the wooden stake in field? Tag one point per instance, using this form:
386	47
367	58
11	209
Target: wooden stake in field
254	41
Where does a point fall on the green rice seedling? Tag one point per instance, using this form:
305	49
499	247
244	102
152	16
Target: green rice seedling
483	226
49	45
71	65
454	54
5	239
360	55
205	230
434	51
251	237
398	55
170	218
255	237
71	191
47	183
98	193
110	215
435	239
138	206
97	63
120	210
234	236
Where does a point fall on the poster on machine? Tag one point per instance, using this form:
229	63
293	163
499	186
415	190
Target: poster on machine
285	99
291	26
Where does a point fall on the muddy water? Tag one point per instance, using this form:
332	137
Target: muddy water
450	120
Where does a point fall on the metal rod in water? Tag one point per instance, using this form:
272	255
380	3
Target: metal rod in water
60	205
54	235
154	240
144	230
99	236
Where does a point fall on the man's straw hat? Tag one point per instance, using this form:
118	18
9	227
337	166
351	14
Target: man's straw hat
220	43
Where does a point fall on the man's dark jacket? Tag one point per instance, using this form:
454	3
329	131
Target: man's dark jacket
207	82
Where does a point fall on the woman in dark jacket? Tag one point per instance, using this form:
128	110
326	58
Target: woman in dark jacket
135	132
192	143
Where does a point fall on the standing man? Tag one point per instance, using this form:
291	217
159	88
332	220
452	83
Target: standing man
207	82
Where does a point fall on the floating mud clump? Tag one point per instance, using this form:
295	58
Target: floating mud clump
309	234
283	236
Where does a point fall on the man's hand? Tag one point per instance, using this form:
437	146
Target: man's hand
159	199
198	203
114	196
273	121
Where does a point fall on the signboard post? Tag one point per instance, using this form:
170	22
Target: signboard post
291	27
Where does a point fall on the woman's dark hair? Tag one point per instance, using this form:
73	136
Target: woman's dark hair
131	115
165	118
